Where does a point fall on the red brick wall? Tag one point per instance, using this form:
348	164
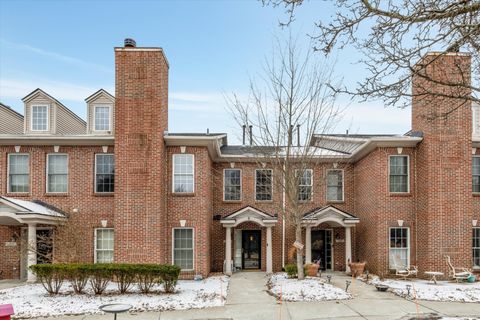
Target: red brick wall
444	194
141	117
92	208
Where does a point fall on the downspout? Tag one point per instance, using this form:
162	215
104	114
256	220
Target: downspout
283	219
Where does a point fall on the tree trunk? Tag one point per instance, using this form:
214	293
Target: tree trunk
298	238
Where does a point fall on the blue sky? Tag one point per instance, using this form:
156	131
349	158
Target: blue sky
214	47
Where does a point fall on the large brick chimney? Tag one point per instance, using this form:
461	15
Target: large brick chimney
141	118
444	162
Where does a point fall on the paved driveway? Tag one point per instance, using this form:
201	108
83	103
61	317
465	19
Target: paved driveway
247	299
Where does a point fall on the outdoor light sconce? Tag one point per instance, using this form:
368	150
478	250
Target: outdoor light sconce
104	223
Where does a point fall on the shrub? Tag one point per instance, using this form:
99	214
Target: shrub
147	276
291	270
169	276
124	275
100	276
78	276
51	276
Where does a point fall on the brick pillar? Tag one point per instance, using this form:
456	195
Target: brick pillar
141	117
444	165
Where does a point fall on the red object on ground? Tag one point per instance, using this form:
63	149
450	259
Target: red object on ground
6	310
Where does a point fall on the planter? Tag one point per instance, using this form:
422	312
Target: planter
357	268
381	287
311	270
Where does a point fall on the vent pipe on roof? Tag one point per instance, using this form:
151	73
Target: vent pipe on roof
244	127
251	134
129	43
208	131
298	135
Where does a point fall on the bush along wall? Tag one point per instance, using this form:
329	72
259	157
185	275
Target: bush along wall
145	276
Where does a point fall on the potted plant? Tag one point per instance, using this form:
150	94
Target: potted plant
311	269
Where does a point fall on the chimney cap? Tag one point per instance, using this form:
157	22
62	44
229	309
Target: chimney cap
129	42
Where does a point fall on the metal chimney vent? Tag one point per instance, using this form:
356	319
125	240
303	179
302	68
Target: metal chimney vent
129	42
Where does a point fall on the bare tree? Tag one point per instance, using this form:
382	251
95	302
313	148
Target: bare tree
399	33
293	91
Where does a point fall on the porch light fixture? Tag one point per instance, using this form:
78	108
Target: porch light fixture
104	223
17	149
474	223
400	223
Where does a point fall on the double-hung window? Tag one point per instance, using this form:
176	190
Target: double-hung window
102	118
39	118
57	173
305	182
183	248
104	173
183	173
476	174
399	251
18	173
263	184
335	185
104	238
476	247
232	185
398	171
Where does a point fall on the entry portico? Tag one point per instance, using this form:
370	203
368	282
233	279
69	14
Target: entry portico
17	212
334	217
248	214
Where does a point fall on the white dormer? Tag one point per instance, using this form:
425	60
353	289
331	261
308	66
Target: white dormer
45	115
100	113
476	119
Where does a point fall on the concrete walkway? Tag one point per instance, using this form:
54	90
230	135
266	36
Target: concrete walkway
248	299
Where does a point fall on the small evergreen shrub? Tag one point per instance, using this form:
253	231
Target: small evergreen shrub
169	276
51	276
291	270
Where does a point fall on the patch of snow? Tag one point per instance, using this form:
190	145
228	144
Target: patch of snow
309	289
424	290
32	300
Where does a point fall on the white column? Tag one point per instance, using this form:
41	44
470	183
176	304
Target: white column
228	251
308	244
348	247
31	251
269	250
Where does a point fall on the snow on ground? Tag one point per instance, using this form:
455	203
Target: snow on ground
32	300
309	289
442	291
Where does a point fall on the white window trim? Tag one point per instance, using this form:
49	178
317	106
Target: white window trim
8	173
109	115
95	172
241	184
68	172
95	243
48	117
408	243
474	228
311	185
255	186
193	247
474	156
173	172
343	186
408	173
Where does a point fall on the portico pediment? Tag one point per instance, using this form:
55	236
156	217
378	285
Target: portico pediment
16	212
248	214
329	214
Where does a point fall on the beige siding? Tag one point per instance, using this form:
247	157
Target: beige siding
68	124
10	122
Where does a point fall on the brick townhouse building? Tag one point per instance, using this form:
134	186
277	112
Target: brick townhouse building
136	192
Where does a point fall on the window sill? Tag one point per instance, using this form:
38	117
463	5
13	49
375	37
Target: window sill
476	194
232	201
59	194
18	194
336	201
105	194
400	194
263	201
183	194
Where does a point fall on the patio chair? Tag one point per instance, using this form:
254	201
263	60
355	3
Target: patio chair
401	270
457	273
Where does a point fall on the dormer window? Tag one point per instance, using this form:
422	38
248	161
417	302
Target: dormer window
39	118
102	118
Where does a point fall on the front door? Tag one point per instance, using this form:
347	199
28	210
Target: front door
251	247
322	248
